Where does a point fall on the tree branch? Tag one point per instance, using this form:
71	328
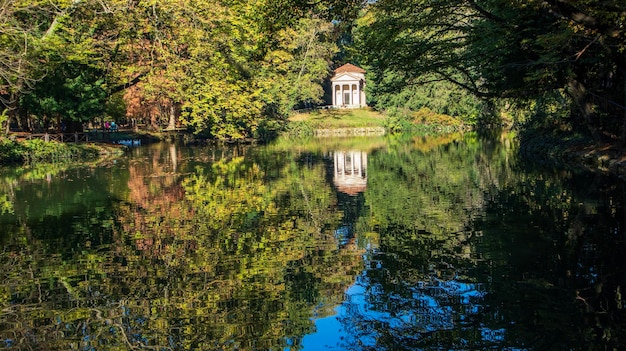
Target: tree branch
132	82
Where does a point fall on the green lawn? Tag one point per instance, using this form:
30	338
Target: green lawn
340	118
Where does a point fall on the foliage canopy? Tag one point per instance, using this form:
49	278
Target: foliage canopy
523	51
219	68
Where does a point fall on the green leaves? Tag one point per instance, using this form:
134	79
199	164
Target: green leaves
72	93
497	49
220	68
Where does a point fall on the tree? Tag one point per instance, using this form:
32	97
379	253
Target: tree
70	96
220	68
21	24
251	71
56	48
496	49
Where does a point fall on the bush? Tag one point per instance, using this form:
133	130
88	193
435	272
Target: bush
269	130
426	116
299	129
399	120
10	151
424	121
39	151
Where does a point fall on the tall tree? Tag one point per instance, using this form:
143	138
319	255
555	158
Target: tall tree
220	68
501	49
53	45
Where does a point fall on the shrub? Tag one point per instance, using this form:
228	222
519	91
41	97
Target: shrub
299	129
424	121
426	116
269	130
399	120
39	150
10	151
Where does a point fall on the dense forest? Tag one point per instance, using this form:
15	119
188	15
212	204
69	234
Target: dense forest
236	69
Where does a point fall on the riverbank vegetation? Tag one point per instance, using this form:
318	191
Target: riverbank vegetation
340	118
37	151
394	120
305	124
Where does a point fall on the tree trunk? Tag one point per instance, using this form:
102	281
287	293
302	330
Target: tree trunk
623	131
11	112
59	124
7	127
172	122
580	97
24	121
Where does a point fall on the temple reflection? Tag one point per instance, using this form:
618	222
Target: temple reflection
350	171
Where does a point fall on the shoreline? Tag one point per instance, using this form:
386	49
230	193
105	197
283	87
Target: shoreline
348	132
603	157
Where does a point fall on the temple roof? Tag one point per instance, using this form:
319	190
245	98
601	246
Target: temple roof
349	68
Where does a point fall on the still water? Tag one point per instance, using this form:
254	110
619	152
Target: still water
447	243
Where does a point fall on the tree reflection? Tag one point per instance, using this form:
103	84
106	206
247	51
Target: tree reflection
220	255
453	244
472	255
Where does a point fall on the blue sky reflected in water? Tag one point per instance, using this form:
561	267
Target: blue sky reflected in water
433	314
330	333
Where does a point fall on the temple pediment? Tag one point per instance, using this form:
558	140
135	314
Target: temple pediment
347	77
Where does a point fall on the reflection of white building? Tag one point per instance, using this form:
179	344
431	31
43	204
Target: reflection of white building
350	171
348	86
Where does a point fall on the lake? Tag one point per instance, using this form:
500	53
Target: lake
377	243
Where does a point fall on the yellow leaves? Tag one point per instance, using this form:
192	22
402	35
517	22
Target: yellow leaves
278	58
59	5
6	204
231	197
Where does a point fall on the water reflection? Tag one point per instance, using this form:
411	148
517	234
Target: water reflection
350	171
129	142
425	243
371	318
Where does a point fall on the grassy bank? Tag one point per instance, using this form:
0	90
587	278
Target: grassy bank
31	151
394	121
340	118
305	124
17	149
323	122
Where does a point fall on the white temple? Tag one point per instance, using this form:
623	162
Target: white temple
348	85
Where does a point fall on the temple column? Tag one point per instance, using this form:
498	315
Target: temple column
342	95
